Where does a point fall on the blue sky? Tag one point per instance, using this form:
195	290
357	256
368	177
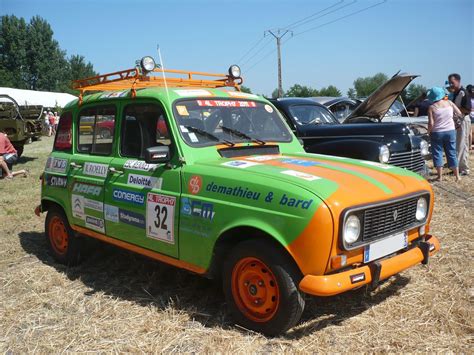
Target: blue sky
427	37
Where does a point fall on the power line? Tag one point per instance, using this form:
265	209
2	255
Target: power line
293	25
257	52
250	50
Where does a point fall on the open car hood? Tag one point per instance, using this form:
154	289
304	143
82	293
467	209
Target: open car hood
378	103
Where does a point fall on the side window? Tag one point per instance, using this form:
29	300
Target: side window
143	126
96	130
63	140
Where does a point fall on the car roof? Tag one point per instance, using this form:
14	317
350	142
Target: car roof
288	101
331	100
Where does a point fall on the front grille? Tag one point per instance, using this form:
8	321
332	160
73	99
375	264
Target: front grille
380	221
412	160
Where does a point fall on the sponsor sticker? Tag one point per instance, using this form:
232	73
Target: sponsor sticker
241	94
264	157
95	169
132	218
77	205
139	165
242	164
160	217
194	184
144	181
226	103
56	180
268	108
111	95
182	110
87	189
300	162
193	137
196	208
193	92
378	165
93	204
128	196
300	175
95	223
111	213
56	165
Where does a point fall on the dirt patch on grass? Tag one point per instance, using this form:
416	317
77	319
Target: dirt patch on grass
117	301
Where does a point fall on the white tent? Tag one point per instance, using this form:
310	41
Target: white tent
44	98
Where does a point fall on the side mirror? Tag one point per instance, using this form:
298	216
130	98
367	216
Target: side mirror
157	155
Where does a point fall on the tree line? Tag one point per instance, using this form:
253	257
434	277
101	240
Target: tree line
30	58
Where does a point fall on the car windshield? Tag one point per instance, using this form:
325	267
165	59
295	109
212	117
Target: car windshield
311	114
396	109
205	122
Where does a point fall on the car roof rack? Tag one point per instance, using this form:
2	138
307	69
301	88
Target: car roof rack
137	78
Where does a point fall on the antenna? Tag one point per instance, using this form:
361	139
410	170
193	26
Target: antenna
163	72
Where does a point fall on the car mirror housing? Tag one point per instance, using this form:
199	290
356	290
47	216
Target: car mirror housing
157	155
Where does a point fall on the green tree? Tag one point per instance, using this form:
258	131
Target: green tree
245	89
331	90
412	92
351	93
366	86
13	44
275	94
298	90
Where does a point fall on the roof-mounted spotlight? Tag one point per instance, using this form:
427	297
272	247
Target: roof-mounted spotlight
147	64
234	71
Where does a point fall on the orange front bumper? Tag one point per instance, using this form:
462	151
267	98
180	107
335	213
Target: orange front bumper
329	285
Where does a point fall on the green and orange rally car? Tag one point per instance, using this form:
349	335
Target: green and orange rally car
204	177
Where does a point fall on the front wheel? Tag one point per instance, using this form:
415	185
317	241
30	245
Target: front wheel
261	288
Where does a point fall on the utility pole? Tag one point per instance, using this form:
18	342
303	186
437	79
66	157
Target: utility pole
280	33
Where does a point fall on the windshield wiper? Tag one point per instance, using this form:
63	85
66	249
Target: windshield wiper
209	135
242	135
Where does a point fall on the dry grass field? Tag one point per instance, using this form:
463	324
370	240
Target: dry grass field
117	301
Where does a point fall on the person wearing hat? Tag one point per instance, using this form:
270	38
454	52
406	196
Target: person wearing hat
442	131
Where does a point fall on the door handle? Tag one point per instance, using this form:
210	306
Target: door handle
74	165
115	171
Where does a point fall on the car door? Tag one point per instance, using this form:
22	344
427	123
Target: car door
89	167
142	200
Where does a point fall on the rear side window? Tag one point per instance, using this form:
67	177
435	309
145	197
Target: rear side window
63	141
96	130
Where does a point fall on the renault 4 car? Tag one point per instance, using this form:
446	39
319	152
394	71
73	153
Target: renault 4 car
206	178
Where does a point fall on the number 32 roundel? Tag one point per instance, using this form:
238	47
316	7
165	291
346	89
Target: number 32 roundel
160	217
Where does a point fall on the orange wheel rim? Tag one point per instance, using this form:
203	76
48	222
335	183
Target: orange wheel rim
58	235
255	289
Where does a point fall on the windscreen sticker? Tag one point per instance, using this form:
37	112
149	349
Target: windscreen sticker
193	92
111	213
160	217
241	94
95	224
128	196
77	203
139	165
145	181
300	175
56	165
88	189
226	103
240	164
268	108
93	205
56	180
183	129
182	110
96	169
193	137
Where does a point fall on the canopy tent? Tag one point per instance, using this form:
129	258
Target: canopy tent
43	98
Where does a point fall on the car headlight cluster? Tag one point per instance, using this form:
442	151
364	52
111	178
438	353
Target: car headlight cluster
421	209
234	71
424	148
352	229
384	154
148	64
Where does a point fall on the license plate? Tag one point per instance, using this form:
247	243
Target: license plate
385	246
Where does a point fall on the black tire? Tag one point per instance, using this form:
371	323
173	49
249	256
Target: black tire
289	302
105	133
69	254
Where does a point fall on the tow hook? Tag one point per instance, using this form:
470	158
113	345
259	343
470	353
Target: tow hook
38	210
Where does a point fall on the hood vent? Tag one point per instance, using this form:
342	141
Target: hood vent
244	151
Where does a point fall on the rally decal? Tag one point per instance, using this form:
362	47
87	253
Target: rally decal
131	218
378	165
56	180
128	196
139	165
160	217
96	169
194	184
196	208
226	103
192	92
93	205
111	213
239	164
87	189
56	165
95	223
145	181
300	175
241	94
111	95
77	206
300	162
265	157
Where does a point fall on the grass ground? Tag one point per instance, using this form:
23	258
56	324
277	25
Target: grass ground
117	301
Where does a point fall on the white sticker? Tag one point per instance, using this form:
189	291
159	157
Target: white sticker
145	181
111	213
264	157
268	108
139	165
77	203
240	164
241	94
193	92
56	165
192	137
95	223
378	165
300	175
111	95
93	205
183	129
96	169
160	217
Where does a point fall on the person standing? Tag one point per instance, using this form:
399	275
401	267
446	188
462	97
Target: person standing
442	131
470	93
463	133
56	121
51	123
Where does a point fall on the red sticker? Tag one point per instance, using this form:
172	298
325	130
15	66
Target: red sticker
195	184
226	103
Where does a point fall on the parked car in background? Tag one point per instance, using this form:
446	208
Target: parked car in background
341	107
13	124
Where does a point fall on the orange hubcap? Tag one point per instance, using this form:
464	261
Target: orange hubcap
255	289
58	235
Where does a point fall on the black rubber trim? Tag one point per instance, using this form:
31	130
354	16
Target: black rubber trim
375	269
425	249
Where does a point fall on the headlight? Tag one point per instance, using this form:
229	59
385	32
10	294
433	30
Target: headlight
234	71
351	229
147	64
384	154
421	209
424	148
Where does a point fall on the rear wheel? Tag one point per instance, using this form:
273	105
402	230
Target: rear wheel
64	246
261	288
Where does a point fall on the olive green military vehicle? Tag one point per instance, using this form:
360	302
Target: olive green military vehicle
13	124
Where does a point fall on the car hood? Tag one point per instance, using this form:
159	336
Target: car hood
379	102
339	182
353	129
